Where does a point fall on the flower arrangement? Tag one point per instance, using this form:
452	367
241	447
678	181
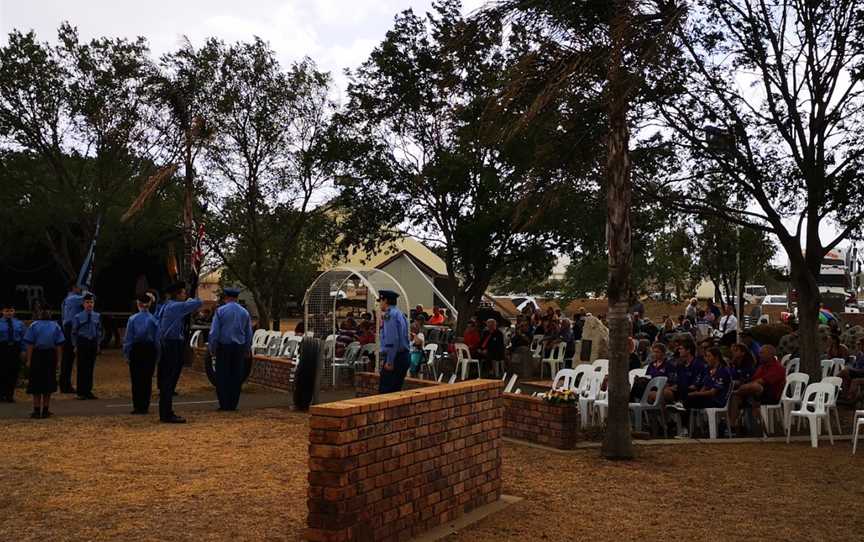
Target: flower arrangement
561	397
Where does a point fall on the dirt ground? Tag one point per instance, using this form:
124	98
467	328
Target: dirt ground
243	477
111	381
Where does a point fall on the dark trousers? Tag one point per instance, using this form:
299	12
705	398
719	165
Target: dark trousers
230	363
86	365
392	381
142	363
168	374
68	360
10	364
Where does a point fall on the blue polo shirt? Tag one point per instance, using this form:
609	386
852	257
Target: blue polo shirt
718	379
44	335
17	329
171	318
231	325
691	375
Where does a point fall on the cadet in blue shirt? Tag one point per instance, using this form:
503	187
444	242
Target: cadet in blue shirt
230	342
141	350
72	305
44	340
394	343
86	336
172	333
714	390
11	347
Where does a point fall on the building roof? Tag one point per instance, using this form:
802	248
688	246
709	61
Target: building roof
388	252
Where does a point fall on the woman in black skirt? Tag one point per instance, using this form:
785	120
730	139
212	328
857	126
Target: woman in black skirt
43	339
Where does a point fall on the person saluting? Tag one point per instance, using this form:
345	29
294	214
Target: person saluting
394	343
140	348
172	345
230	342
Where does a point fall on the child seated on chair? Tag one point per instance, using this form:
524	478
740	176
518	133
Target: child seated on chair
715	385
742	365
659	366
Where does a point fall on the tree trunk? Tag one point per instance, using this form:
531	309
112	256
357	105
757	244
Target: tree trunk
808	320
618	443
466	307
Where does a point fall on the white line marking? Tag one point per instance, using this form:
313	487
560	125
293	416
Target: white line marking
175	402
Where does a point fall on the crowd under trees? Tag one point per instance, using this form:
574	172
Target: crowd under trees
649	140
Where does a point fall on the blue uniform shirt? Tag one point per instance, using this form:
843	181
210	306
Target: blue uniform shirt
692	375
141	328
86	325
17	335
171	318
394	334
718	379
44	335
72	305
231	325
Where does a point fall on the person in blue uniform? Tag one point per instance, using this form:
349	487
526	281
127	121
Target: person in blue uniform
72	305
172	335
140	350
44	340
12	333
230	342
394	343
86	336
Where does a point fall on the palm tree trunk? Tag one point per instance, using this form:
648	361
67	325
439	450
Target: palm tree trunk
618	443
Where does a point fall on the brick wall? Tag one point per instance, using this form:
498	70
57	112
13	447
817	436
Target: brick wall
267	371
390	467
366	384
534	420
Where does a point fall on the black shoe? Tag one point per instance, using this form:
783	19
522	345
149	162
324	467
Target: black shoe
81	397
90	396
36	415
46	413
174	419
67	390
139	412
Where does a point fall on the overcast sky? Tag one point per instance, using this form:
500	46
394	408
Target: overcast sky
337	34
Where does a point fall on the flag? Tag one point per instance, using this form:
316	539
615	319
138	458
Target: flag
198	252
85	275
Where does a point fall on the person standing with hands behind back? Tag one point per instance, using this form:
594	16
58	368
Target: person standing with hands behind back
12	332
140	348
230	342
394	343
44	340
86	336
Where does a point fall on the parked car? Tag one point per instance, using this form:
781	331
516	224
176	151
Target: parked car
775	301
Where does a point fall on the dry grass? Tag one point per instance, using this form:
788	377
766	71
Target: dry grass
221	477
695	492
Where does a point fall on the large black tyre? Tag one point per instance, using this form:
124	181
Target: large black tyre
304	375
210	368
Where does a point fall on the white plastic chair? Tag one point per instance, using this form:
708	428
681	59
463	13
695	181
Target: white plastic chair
464	359
814	409
555	361
565	379
582	377
196	336
511	383
857	422
440	377
430	350
711	414
452	379
291	348
601	404
837	382
792	365
601	364
656	384
537	347
352	353
274	343
259	339
832	367
790	398
586	400
367	354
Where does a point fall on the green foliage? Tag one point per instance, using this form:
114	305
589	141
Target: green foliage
266	166
424	147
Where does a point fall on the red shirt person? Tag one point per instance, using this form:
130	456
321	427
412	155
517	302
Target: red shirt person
765	388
